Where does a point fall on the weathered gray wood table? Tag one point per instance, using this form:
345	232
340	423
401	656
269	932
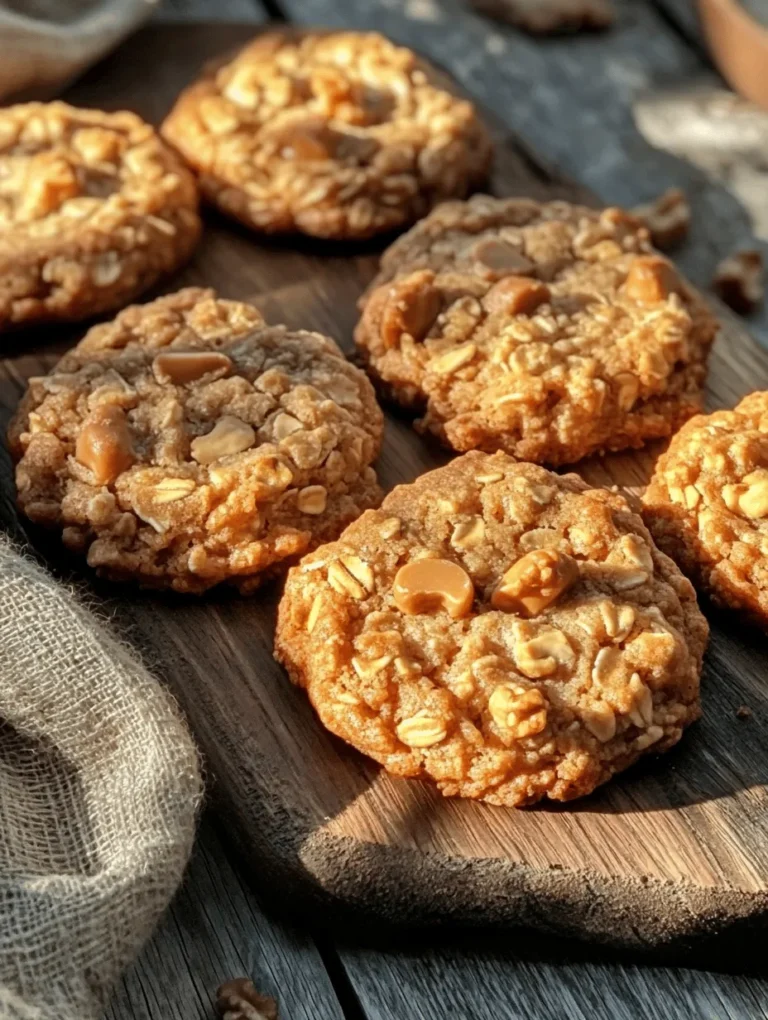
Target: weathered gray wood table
627	114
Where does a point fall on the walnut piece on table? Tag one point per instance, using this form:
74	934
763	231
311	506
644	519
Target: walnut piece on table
738	281
544	17
238	1000
667	217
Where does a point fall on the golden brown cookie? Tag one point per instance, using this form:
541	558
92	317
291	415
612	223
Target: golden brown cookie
707	504
334	134
189	443
505	632
94	209
550	330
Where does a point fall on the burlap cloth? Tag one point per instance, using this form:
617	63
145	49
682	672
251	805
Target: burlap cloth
99	785
99	778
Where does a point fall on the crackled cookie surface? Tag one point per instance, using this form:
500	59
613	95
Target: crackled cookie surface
707	504
550	331
197	445
335	134
505	632
94	209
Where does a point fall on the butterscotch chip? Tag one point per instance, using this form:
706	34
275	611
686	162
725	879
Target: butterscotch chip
592	658
707	504
542	17
334	134
430	585
180	480
551	331
94	209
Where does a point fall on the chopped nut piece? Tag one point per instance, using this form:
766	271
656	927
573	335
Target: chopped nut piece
312	499
431	585
104	443
412	306
543	654
600	720
754	501
181	367
238	1000
421	730
468	534
739	282
651	279
522	712
228	436
516	295
285	425
667	217
534	582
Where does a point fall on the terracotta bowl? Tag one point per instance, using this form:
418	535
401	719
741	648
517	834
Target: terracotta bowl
739	46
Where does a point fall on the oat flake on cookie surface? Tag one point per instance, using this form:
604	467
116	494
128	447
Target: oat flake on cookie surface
189	443
707	504
550	331
94	209
334	134
505	632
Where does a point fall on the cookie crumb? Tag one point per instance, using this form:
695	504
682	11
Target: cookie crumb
743	712
238	1000
667	217
738	281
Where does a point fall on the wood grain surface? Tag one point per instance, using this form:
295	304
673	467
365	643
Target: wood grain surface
672	853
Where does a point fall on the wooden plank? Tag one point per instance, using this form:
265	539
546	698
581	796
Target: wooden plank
685	16
490	979
669	851
574	100
216	930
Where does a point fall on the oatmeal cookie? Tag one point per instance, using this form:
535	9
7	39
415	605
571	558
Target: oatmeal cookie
334	134
94	209
198	445
543	17
551	331
707	504
508	633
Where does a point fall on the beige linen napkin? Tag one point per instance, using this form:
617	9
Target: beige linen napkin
99	787
46	42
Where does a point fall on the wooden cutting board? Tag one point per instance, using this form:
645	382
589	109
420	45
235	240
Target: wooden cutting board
669	855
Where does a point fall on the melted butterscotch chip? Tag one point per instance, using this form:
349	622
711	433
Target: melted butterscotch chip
104	443
651	279
333	134
188	443
501	631
707	504
94	209
431	585
547	330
